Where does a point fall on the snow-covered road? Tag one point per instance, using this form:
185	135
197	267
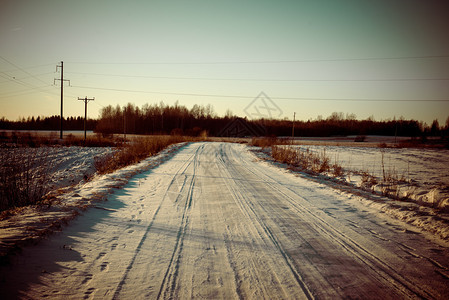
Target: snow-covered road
216	222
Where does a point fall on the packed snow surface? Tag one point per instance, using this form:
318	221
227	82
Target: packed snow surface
214	222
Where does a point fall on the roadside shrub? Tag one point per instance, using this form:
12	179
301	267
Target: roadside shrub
367	180
285	155
337	170
24	176
265	142
305	160
134	151
323	162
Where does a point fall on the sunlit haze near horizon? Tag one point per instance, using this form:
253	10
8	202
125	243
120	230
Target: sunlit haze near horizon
381	59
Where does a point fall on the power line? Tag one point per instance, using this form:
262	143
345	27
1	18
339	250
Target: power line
21	69
29	86
29	91
34	76
267	61
252	97
257	79
31	67
21	82
100	105
12	78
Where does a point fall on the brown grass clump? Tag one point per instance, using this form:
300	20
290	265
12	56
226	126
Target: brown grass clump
25	168
36	139
24	176
135	151
368	180
265	142
306	160
91	141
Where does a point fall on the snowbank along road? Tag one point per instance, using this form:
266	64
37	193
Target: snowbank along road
216	222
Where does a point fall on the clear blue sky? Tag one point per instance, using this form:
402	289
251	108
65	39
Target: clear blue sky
309	57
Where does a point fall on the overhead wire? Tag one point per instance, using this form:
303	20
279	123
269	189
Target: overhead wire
22	83
252	97
259	79
266	61
31	87
23	70
31	67
263	80
26	92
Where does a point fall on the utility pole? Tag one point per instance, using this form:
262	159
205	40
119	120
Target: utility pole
293	128
62	91
124	123
85	99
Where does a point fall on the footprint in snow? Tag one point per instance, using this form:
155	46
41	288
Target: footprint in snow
104	266
87	279
88	293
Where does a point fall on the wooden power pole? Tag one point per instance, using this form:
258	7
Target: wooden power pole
85	99
62	93
293	128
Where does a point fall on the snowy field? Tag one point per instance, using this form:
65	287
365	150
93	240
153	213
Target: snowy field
211	220
71	193
67	166
70	165
423	173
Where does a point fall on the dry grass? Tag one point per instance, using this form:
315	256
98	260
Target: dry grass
24	176
368	181
390	184
306	160
25	172
38	139
266	142
134	151
25	168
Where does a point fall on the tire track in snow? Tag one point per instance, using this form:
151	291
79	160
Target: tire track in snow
375	263
250	213
168	285
122	282
365	256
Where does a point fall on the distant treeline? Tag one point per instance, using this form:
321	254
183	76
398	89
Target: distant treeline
160	119
179	120
336	125
48	123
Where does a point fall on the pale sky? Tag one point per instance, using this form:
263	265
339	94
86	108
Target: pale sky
309	57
